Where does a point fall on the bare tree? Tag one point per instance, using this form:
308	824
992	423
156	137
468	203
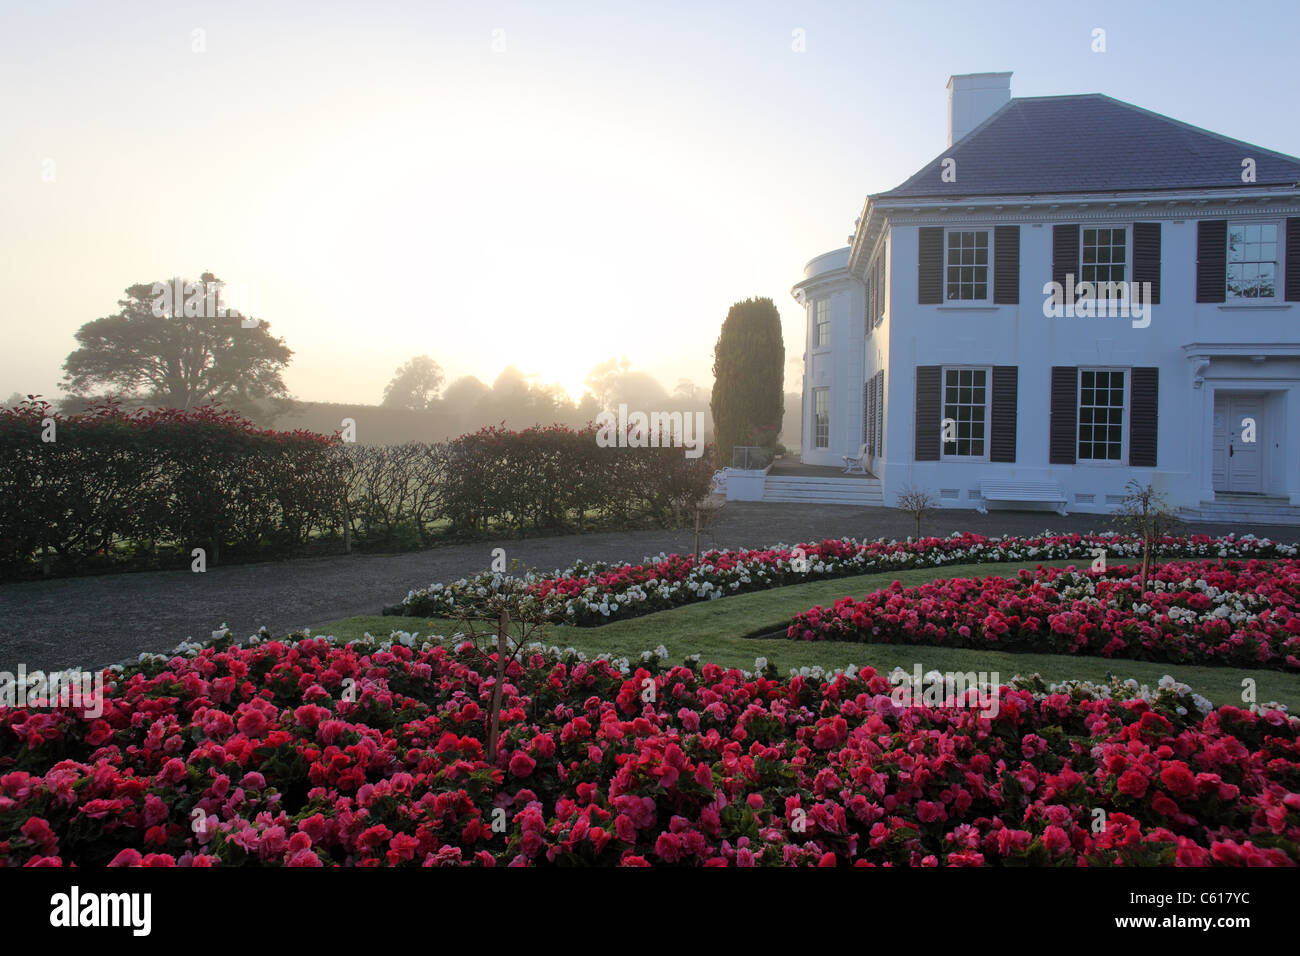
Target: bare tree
707	512
917	503
1144	513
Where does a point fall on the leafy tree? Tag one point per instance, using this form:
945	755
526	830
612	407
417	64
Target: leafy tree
179	354
687	391
613	382
415	385
748	363
465	392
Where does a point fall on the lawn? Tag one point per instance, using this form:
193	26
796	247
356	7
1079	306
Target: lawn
724	632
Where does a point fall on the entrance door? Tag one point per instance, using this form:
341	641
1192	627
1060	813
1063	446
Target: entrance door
1239	428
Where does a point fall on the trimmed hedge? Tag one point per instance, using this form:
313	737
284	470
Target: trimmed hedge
201	478
112	481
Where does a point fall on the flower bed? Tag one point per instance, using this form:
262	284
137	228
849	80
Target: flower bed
593	594
304	753
1246	615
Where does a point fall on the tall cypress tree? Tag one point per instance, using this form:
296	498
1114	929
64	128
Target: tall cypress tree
748	401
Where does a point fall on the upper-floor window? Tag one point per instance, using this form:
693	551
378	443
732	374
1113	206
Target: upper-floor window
1105	259
965	412
822	417
878	284
967	265
822	312
1252	260
1102	402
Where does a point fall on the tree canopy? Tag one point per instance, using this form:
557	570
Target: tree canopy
414	385
180	354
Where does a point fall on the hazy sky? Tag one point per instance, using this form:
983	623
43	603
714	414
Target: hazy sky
606	181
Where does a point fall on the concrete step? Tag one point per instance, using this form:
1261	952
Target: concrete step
865	492
1232	512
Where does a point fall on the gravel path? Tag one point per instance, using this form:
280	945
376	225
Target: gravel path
93	621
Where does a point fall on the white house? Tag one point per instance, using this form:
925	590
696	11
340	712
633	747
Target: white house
937	340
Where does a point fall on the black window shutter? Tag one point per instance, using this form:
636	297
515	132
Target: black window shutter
1006	265
1065	256
929	276
1211	260
1292	267
927	413
1064	415
868	414
880	412
1144	397
1146	256
1002	434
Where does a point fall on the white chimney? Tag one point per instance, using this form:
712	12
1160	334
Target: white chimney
973	98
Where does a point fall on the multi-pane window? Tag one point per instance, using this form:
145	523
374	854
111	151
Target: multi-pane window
822	309
822	417
1101	415
877	301
1105	254
869	310
965	412
1252	260
968	265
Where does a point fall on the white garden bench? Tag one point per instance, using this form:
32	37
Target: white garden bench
1037	492
856	464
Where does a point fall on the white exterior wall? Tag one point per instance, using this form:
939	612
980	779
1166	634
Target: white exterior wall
837	366
877	359
1179	329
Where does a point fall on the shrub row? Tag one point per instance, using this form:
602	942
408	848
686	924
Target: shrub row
72	487
554	477
85	488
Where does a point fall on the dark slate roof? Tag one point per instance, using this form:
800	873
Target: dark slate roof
1091	143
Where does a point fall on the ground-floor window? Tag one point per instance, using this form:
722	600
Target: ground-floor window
965	412
1102	399
821	417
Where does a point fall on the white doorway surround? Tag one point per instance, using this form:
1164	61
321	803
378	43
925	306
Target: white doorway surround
1241	440
1235	386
